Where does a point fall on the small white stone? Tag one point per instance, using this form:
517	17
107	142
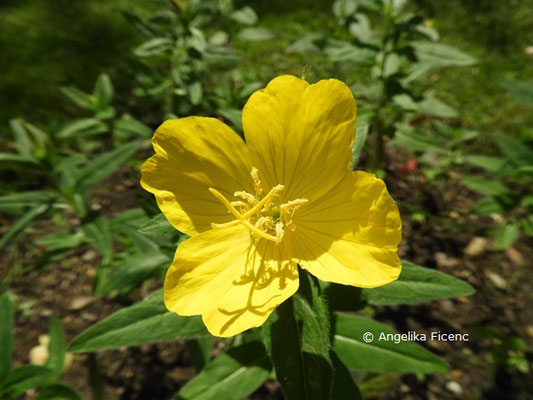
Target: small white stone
454	388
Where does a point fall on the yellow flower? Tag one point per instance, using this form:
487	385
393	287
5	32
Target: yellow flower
257	210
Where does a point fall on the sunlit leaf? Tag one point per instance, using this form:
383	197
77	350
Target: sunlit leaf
380	355
148	321
233	375
417	284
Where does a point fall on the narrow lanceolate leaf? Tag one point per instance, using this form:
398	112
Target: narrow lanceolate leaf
6	334
506	236
441	55
484	186
417	284
57	349
126	127
133	270
17	202
17	159
21	379
78	97
22	223
59	391
103	165
97	232
516	151
380	355
24	145
297	339
160	231
82	127
361	133
521	90
103	89
148	321
233	375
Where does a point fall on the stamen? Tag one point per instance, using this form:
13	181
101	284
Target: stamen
259	232
246	197
255	209
224	201
279	230
270	218
257	183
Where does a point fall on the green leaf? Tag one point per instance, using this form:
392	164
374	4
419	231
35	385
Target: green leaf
103	89
441	55
160	231
24	378
127	126
97	232
516	152
344	386
81	99
7	334
489	163
17	202
245	15
380	355
506	235
521	90
155	46
196	93
24	145
361	133
306	43
82	127
337	51
415	140
99	168
361	29
134	270
23	222
297	339
233	375
56	349
28	162
487	206
417	284
61	240
484	186
343	9
59	391
199	350
256	34
436	108
148	321
234	116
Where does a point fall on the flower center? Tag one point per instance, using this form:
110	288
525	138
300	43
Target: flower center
261	214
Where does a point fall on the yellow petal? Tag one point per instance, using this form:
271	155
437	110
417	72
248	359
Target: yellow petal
191	155
300	135
232	282
350	235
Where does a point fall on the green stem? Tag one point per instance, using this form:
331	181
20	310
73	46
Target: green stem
376	159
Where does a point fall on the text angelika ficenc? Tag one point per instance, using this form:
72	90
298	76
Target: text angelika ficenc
413	336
